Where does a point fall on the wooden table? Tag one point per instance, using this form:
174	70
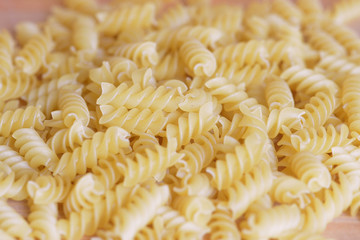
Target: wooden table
13	11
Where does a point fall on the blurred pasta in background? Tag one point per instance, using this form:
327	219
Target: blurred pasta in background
165	119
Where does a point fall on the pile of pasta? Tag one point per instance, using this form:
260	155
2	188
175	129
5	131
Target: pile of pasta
167	120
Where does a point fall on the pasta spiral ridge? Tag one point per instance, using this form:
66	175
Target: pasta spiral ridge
47	189
288	10
309	169
144	54
259	225
235	164
147	165
351	100
192	125
34	149
134	96
174	17
140	210
307	81
278	94
6	52
249	53
107	172
32	56
246	190
101	145
15	85
320	140
31	116
13	186
337	64
69	138
113	22
43	220
199	61
222	225
12	222
228	94
143	120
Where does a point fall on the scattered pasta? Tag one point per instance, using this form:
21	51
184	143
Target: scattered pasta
169	119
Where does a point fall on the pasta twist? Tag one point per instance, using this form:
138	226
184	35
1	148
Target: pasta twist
323	41
140	210
147	165
101	145
307	81
278	94
31	116
141	120
254	118
256	27
144	54
260	224
15	85
69	138
320	212
6	51
236	163
195	185
87	221
168	39
248	53
199	61
12	185
192	125
32	56
283	52
288	10
321	140
175	226
350	101
73	107
230	95
197	209
289	190
238	75
34	149
107	172
319	109
43	220
85	36
197	155
222	225
344	35
174	17
134	96
12	222
85	193
309	169
337	64
246	190
170	66
47	189
113	22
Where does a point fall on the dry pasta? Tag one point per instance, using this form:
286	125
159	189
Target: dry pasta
180	120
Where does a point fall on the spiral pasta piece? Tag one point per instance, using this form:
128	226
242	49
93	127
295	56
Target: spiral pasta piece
170	66
101	145
34	149
147	165
69	138
85	36
42	219
289	190
288	10
192	125
176	16
351	101
345	11
140	210
199	61
47	189
85	193
321	140
254	119
259	225
249	53
32	56
307	81
13	186
107	172
135	97
222	225
236	163
144	54
320	212
289	117
143	120
309	169
253	185
6	52
113	22
278	94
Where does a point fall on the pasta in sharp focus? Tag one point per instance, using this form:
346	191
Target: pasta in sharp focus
169	119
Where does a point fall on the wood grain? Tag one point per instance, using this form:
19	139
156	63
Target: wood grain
14	11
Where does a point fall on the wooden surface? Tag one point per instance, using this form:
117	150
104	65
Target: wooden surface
13	11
